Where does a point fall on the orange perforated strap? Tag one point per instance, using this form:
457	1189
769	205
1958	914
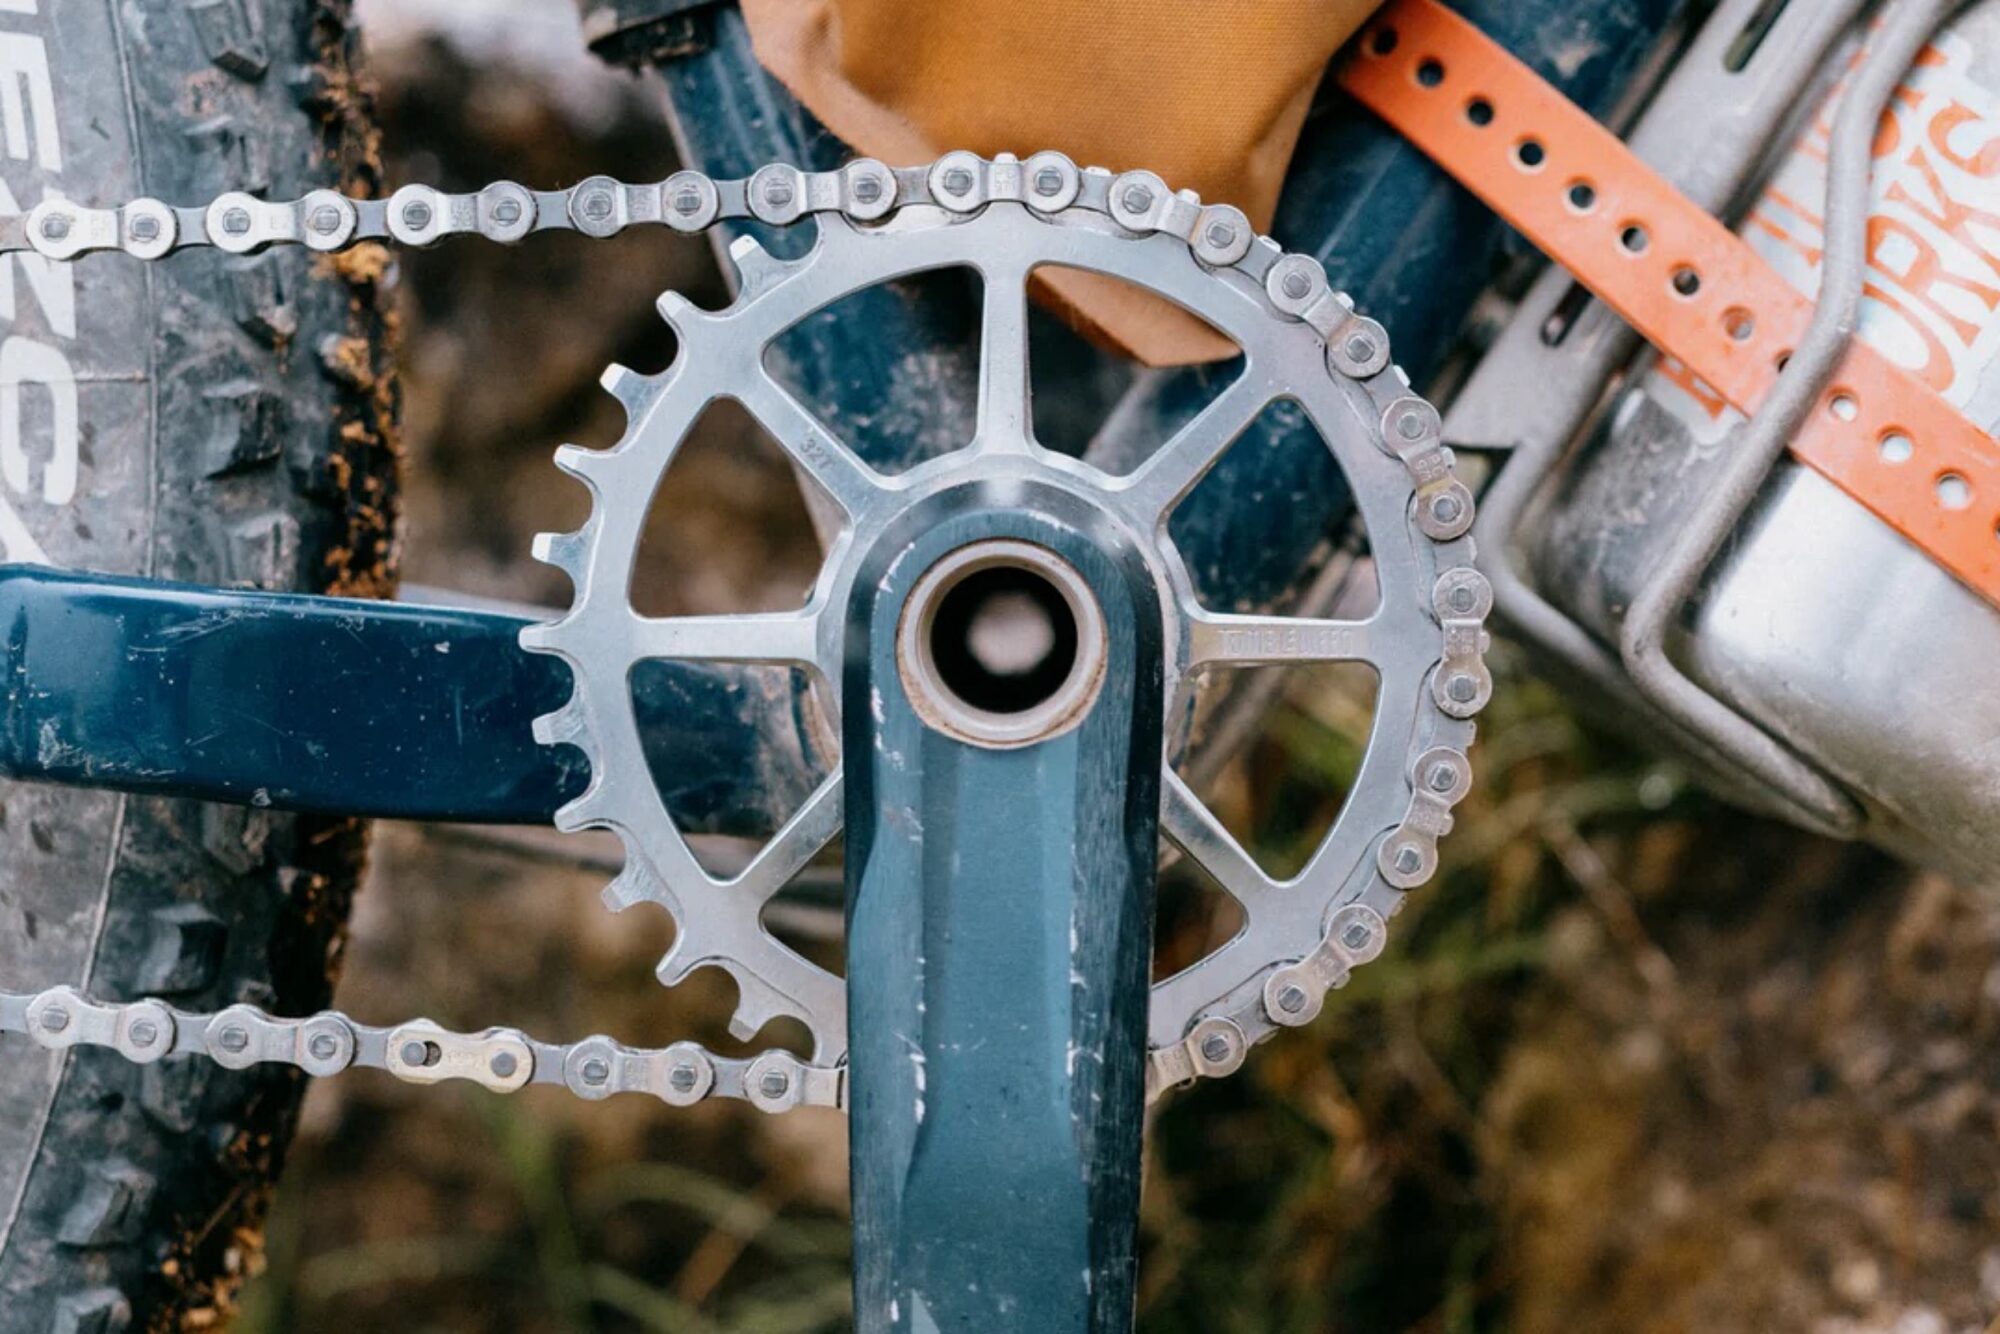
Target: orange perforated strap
1678	276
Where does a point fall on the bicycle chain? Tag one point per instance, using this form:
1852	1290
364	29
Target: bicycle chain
864	191
418	1052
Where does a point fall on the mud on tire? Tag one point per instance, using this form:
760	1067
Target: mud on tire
212	419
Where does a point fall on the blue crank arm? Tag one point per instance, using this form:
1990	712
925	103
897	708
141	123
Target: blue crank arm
353	707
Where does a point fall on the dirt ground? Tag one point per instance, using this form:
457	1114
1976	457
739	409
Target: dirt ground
1635	1062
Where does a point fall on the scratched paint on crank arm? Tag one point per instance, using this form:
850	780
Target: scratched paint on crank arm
1000	928
351	707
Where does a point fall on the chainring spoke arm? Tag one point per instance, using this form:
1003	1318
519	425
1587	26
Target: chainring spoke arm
802	838
781	637
833	467
1186	819
1269	640
1005	419
1172	471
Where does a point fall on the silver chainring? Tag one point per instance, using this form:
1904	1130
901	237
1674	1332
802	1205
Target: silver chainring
1301	343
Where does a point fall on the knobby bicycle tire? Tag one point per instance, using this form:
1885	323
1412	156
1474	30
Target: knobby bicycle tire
232	425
